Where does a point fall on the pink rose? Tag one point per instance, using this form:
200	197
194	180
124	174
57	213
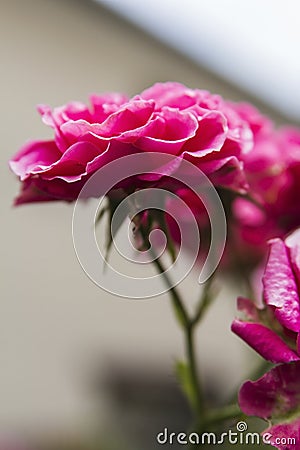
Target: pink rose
276	397
273	327
167	118
261	128
272	169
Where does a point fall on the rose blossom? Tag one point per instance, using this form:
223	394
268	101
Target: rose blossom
272	170
272	327
261	128
276	397
167	118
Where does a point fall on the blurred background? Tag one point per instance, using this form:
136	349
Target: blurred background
77	364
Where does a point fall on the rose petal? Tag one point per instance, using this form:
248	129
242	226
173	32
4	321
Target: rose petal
172	94
264	341
129	117
247	213
280	288
172	130
72	165
226	172
210	136
106	104
285	436
37	190
33	155
275	395
58	116
293	244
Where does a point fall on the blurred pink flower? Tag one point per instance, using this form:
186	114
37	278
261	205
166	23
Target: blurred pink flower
276	397
166	118
272	169
272	328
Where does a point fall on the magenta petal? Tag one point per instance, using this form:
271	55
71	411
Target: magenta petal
280	288
247	213
265	341
35	190
114	151
256	400
165	170
293	244
172	129
72	165
106	104
284	436
71	111
226	172
130	116
30	193
172	94
125	121
274	395
210	136
58	116
35	154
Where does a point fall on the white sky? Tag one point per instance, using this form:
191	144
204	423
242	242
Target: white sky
253	43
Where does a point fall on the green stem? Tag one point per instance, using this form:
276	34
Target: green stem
190	351
188	326
178	305
204	302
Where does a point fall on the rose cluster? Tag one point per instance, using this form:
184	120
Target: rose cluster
256	170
